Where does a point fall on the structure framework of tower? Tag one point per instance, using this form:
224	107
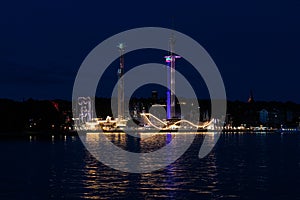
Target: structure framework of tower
121	48
171	98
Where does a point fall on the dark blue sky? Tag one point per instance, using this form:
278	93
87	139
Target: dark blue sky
255	44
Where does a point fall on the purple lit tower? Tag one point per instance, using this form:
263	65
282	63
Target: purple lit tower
170	60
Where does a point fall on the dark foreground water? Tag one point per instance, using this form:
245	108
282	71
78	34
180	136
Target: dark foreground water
241	166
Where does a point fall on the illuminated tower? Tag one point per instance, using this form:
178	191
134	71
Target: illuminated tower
121	48
170	60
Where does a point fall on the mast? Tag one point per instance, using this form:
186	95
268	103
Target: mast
121	48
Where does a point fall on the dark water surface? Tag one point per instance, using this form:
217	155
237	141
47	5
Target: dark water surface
241	166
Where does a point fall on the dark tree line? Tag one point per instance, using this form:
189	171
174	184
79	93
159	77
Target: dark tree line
57	114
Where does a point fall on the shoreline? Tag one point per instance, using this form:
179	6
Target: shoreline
50	134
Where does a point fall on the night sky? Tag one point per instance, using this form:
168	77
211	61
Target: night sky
255	44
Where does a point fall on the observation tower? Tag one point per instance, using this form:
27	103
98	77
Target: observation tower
170	60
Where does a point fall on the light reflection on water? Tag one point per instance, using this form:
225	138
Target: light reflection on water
242	165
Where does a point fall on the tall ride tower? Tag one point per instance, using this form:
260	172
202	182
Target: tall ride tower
121	48
170	60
